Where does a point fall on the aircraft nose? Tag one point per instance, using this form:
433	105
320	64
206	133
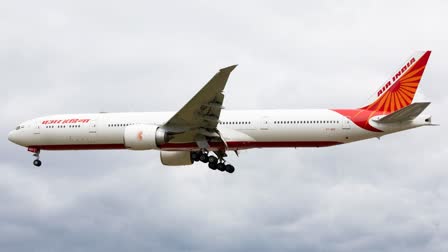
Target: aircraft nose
12	136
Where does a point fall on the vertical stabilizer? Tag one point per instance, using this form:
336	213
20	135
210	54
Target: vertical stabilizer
399	91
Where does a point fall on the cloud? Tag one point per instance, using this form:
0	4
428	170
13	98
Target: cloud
374	195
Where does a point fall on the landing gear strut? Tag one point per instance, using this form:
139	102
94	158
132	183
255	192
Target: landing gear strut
214	163
37	162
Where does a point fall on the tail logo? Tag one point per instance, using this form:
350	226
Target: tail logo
400	89
396	77
397	93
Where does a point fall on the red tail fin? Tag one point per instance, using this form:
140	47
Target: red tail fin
399	91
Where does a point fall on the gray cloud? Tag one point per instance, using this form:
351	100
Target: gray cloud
71	57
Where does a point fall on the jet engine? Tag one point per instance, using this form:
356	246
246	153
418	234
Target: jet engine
144	137
175	158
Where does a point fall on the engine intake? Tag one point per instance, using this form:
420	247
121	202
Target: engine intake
144	137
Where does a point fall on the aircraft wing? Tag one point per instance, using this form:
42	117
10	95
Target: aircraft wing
199	118
405	114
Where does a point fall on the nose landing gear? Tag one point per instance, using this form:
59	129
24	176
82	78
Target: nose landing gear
36	152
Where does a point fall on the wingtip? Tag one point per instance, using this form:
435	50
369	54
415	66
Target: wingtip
228	69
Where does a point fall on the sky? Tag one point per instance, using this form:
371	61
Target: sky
91	56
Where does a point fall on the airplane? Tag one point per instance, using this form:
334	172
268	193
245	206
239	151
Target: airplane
202	126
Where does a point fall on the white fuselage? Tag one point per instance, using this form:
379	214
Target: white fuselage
240	129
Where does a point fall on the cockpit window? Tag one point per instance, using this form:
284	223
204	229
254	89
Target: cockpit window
18	127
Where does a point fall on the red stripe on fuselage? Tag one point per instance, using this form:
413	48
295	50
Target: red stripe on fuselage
81	147
187	146
360	117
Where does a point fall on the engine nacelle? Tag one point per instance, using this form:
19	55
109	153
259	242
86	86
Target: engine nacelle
144	137
175	158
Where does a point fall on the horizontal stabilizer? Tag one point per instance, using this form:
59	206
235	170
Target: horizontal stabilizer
405	114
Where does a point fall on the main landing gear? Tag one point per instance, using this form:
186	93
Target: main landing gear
36	152
213	162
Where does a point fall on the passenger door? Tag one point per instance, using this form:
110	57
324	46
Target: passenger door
92	131
265	123
346	123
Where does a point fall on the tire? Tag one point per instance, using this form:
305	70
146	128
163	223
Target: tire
212	159
221	167
230	168
37	163
212	166
195	156
203	158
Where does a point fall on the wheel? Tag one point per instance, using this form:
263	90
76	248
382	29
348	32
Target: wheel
221	167
212	165
230	168
37	163
212	159
203	158
195	156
